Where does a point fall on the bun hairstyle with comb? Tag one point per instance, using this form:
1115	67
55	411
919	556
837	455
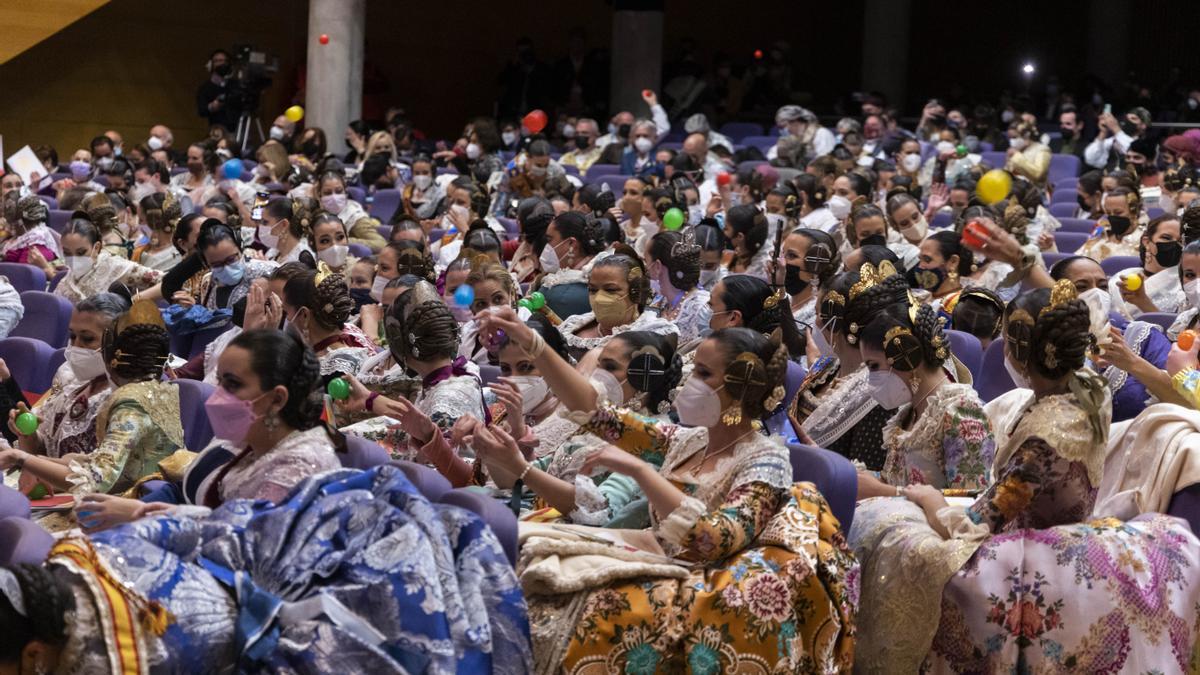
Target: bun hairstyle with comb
910	334
420	326
822	258
875	289
162	211
754	371
45	600
634	271
326	296
748	220
137	346
1048	330
654	369
752	297
282	358
679	253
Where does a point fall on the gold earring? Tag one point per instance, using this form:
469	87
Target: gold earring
952	275
732	415
271	422
914	383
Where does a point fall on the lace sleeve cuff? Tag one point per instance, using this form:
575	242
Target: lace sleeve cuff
591	508
958	522
676	526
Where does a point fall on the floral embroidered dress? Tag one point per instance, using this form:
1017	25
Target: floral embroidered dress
138	426
1100	247
272	474
107	270
68	414
949	446
425	587
1048	466
690	315
578	346
772	587
1074	595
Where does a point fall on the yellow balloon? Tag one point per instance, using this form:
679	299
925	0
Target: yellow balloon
294	113
1133	282
993	186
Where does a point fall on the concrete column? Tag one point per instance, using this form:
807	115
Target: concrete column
636	53
1108	40
334	85
885	48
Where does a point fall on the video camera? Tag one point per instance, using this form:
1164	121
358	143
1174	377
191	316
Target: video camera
252	71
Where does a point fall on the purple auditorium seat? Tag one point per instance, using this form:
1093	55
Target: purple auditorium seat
1161	319
778	423
58	277
1063	166
357	194
1081	225
993	376
1114	264
1185	504
675	136
384	205
763	143
46	318
23	277
58	219
833	475
197	431
571	170
1154	212
736	131
57	358
510	225
941	220
51	202
1050	258
430	483
671	145
27	359
13	504
967	348
385	231
1065	197
615	182
23	542
447	171
984	146
603	170
1067	184
994	159
1069	242
204	336
435	234
360	250
489	374
101	180
1063	209
276	188
363	454
494	512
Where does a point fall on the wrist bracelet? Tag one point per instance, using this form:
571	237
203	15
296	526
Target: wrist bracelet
899	492
528	466
537	347
370	404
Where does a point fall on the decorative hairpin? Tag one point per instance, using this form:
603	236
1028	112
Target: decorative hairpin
869	275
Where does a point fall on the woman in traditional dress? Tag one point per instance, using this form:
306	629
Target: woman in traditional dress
1160	290
772	584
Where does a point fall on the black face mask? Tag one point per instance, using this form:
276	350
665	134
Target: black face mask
623	130
1082	204
1066	133
1169	253
1119	225
361	296
931	279
310	149
1128	127
223	70
581	143
873	240
792	281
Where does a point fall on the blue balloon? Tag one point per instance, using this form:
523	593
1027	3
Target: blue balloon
464	295
232	169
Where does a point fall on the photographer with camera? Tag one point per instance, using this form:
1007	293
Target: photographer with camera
211	100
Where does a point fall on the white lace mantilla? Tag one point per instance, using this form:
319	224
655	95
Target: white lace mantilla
563	276
647	321
846	403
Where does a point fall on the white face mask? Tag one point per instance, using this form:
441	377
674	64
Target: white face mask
79	264
334	203
1192	290
698	404
1007	116
533	391
422	181
708	276
334	256
775	223
86	364
276	133
695	214
1018	378
642	145
1099	302
248	234
818	336
888	389
607	386
839	206
568	131
509	137
377	287
916	233
1018	143
154	143
474	151
911	162
548	260
264	235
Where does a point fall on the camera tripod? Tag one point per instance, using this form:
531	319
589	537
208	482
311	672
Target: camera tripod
247	123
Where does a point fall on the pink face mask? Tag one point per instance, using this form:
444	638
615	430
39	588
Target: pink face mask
230	416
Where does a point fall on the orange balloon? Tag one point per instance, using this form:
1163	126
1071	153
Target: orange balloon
534	121
1186	339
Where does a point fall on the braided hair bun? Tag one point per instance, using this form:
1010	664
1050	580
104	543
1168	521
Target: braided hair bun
1058	340
138	353
909	335
47	600
864	306
755	369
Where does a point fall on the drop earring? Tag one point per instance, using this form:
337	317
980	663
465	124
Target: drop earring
271	422
732	415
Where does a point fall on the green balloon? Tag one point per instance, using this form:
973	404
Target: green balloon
339	389
961	150
536	300
27	423
673	219
39	491
524	302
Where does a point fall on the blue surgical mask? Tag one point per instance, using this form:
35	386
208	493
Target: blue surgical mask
229	275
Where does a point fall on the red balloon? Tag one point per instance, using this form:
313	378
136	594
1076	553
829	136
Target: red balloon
324	39
723	179
647	92
534	121
758	53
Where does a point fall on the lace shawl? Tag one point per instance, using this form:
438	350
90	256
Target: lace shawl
647	321
107	270
844	405
272	474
